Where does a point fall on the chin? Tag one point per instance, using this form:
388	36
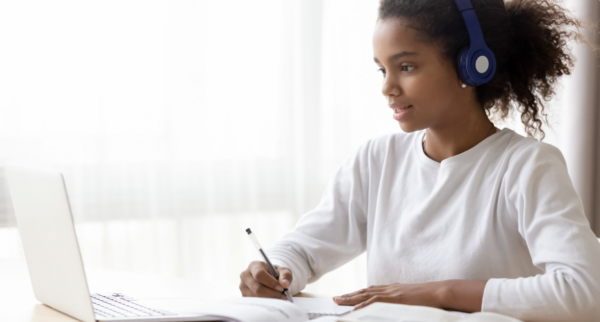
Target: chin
409	127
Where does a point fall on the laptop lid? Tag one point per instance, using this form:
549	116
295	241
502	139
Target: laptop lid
44	219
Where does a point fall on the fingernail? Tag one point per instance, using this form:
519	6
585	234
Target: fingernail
286	282
283	297
279	288
337	298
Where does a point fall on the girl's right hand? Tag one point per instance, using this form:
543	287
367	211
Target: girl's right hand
257	281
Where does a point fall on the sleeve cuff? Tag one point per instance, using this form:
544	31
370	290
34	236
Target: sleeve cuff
490	296
296	285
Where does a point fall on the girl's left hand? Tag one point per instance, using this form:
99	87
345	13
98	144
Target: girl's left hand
425	294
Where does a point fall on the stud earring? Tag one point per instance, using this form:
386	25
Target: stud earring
463	85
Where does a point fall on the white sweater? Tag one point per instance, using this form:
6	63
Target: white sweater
504	211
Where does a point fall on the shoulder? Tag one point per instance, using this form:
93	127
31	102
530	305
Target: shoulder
525	152
529	163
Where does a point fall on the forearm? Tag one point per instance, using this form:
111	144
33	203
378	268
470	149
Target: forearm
462	295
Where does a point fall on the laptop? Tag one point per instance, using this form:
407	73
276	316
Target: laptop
45	223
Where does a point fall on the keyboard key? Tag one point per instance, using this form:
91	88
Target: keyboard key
120	305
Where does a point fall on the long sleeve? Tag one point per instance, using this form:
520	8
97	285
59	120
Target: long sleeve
551	220
334	232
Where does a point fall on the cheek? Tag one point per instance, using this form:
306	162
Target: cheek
429	92
420	91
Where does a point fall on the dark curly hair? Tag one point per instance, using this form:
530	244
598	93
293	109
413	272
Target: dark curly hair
528	37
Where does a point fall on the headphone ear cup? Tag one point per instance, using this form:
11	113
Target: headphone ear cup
461	66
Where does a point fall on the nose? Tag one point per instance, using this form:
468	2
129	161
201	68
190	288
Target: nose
390	86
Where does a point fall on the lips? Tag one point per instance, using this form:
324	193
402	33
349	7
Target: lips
401	112
399	108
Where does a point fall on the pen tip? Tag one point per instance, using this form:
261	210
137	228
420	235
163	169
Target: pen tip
248	231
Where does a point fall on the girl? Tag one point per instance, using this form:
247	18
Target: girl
455	213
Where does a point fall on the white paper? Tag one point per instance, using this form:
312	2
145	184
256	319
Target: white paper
255	309
323	306
326	319
387	312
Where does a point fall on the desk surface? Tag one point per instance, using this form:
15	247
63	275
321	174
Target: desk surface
18	303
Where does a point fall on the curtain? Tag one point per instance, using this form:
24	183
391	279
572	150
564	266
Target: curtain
162	108
178	124
580	139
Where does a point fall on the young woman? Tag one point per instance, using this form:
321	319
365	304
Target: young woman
455	213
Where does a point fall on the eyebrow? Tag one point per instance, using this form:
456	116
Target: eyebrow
397	56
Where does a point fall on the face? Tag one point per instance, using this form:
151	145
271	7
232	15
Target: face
418	82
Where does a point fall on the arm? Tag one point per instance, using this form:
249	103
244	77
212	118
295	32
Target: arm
551	221
334	232
555	230
458	295
462	295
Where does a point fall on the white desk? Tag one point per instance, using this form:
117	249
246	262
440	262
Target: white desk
17	302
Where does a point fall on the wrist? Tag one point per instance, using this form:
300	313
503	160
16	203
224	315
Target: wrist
444	294
461	295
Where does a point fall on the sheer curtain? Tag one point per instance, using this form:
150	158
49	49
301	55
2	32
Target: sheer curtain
178	124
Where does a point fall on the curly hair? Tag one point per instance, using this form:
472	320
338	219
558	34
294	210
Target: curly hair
529	39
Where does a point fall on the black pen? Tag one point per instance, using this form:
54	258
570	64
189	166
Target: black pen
269	265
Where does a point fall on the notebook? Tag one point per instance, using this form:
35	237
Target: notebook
388	312
255	309
318	307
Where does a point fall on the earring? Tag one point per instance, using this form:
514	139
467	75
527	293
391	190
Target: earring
463	85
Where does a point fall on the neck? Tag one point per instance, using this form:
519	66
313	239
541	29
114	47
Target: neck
456	136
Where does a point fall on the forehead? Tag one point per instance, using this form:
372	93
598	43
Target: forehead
393	35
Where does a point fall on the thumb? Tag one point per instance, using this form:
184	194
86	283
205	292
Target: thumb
285	276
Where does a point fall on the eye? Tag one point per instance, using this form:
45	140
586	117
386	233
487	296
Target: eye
382	71
407	68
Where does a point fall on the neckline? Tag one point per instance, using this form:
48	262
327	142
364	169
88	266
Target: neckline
457	159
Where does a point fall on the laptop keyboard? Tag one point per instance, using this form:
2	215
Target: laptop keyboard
117	305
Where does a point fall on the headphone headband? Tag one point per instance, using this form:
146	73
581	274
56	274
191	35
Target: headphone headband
473	27
476	63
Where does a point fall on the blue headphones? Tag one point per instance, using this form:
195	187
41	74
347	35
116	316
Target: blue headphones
476	63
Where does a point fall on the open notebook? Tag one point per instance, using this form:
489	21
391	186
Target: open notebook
317	307
387	312
254	309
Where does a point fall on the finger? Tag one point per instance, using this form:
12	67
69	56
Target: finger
359	296
285	276
245	290
372	289
245	276
250	287
376	298
259	290
355	299
261	274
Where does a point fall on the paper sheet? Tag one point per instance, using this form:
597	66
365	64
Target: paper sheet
321	306
326	319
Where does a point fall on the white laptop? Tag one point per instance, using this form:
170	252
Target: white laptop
52	253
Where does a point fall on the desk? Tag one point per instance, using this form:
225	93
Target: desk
18	303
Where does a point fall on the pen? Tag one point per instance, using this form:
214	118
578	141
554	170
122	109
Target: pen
269	265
